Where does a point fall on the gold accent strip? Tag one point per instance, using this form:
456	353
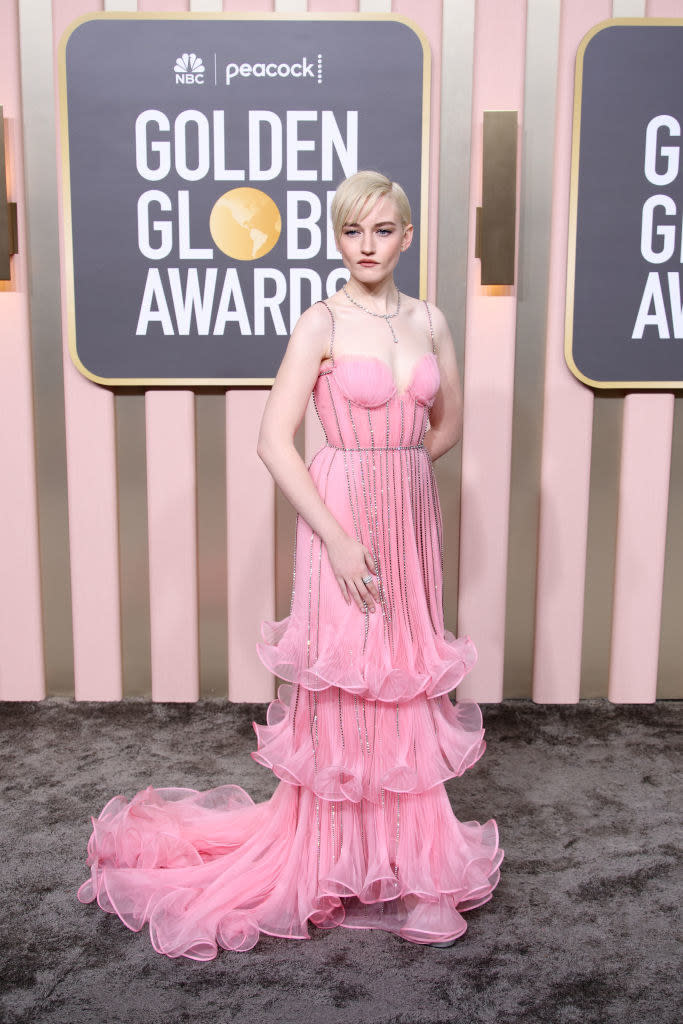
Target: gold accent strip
496	218
8	215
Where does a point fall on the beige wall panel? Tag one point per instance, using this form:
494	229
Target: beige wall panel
35	40
670	682
538	133
212	550
131	468
451	281
602	523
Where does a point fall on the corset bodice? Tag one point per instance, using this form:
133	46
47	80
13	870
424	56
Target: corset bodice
359	405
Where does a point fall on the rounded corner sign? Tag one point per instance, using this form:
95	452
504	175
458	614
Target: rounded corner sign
624	306
200	155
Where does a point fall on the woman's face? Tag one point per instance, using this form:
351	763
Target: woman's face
371	246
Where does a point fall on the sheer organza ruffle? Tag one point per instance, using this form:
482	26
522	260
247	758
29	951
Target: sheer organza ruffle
414	746
432	667
209	870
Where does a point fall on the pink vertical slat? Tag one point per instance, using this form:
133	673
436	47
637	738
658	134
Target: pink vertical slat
22	671
332	6
172	523
641	529
172	518
428	15
499	47
250	526
91	471
314	435
251	547
641	542
567	420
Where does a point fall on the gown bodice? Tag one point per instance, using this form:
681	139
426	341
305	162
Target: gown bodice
360	406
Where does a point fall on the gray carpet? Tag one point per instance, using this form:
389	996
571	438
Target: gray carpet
583	926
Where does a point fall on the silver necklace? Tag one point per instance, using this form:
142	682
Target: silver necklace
384	316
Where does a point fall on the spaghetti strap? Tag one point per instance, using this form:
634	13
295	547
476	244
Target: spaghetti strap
329	310
431	326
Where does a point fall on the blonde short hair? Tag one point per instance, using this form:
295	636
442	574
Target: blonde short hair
363	190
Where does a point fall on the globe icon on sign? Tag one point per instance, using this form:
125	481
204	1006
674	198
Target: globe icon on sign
245	223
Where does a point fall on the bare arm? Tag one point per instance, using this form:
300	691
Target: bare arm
282	415
445	416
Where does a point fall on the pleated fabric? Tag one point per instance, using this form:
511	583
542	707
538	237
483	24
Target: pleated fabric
362	735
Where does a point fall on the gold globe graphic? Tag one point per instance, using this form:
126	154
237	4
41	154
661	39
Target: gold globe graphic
245	223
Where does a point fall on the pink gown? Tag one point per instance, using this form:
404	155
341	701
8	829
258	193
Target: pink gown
359	831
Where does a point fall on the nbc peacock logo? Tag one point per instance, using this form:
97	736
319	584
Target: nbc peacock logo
189	69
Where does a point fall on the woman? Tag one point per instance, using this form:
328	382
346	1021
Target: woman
359	832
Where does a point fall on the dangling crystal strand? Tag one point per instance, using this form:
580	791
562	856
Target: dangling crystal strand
317	829
291	606
381	906
371	535
310	581
412	429
317	412
365	723
313	720
398	830
296	534
395	597
360	735
406	607
423	535
377	533
320	558
431	544
313	723
398	802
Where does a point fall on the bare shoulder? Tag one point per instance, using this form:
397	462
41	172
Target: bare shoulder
424	312
314	318
438	318
312	332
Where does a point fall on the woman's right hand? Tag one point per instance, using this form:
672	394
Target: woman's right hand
350	561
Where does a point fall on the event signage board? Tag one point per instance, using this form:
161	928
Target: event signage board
624	311
200	156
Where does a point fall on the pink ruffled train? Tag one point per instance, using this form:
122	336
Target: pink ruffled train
362	735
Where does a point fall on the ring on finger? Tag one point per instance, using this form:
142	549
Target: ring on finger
367	579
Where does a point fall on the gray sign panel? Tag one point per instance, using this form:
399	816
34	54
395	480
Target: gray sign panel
624	324
201	154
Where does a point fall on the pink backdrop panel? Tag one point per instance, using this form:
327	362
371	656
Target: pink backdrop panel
172	524
92	498
251	547
428	14
172	519
567	420
499	54
22	672
250	524
641	542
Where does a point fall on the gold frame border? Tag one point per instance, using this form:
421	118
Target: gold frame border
649	385
63	135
